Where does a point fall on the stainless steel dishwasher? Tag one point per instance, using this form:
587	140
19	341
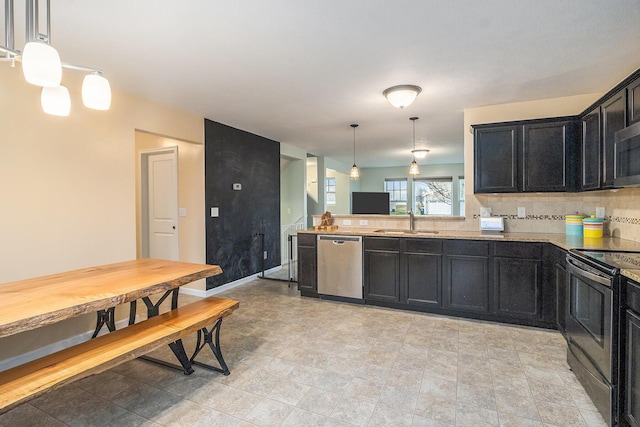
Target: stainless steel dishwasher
340	266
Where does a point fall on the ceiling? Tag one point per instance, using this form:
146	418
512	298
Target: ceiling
301	71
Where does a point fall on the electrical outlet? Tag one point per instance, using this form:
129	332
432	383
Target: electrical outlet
264	255
522	212
485	212
600	213
346	222
364	222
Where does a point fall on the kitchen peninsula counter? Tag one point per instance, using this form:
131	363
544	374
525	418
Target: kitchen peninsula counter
559	239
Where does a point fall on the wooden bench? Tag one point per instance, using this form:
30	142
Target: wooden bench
25	382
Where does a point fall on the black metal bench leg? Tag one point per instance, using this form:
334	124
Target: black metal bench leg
105	317
205	337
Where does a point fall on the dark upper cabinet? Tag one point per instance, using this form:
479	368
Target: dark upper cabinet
496	159
614	118
307	264
590	151
633	101
534	156
547	156
382	269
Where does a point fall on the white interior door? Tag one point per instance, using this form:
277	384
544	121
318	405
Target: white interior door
162	205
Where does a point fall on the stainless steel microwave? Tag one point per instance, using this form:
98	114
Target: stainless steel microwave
627	157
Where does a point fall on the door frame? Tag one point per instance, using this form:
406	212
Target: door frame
143	178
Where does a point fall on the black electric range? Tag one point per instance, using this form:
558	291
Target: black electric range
609	261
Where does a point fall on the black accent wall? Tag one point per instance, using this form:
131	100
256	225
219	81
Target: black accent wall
235	156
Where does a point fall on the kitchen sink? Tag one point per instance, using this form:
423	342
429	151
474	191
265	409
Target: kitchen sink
411	232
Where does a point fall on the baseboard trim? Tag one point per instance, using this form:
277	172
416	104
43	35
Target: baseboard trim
203	294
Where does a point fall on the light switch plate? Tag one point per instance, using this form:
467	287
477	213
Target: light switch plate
600	213
346	222
183	212
215	212
364	222
485	212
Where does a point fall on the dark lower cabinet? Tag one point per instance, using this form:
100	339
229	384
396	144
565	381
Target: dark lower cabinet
517	287
307	264
630	355
423	278
381	269
632	369
467	275
407	271
422	272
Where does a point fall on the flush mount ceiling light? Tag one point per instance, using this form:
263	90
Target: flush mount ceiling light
402	95
420	153
355	173
414	170
41	64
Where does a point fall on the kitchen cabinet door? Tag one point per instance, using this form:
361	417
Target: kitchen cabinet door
517	287
382	269
613	119
423	279
307	264
547	160
633	102
466	283
590	151
631	397
496	159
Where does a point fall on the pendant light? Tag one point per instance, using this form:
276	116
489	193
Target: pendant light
413	168
355	173
41	64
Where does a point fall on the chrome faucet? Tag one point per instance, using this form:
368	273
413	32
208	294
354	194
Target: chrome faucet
411	218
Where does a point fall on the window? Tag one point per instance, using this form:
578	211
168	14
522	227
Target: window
330	190
397	189
461	195
433	196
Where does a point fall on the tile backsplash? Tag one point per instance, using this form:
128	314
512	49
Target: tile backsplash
545	212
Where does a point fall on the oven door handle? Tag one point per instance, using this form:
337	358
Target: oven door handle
583	270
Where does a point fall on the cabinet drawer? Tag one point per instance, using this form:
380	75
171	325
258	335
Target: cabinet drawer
382	243
306	239
466	247
518	250
633	296
428	246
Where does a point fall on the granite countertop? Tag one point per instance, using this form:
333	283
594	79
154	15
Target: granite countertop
559	239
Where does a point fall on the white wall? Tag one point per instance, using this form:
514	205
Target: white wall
68	185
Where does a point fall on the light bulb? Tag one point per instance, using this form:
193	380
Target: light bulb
96	92
55	101
41	65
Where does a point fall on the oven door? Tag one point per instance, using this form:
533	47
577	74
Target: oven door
589	320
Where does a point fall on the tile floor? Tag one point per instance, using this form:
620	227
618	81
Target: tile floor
303	362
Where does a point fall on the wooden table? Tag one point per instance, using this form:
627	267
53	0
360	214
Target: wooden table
31	303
